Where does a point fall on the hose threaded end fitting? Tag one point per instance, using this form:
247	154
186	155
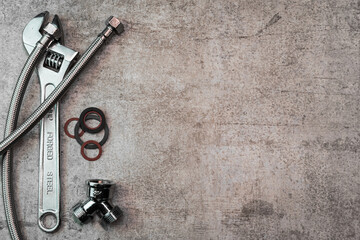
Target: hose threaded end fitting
112	216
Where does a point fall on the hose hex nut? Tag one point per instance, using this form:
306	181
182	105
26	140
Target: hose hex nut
98	202
52	30
115	24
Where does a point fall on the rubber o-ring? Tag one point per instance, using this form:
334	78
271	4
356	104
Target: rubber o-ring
88	114
83	120
83	150
66	130
91	146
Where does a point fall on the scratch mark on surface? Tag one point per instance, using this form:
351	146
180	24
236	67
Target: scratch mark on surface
272	21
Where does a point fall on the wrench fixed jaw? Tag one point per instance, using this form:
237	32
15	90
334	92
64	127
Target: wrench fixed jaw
32	31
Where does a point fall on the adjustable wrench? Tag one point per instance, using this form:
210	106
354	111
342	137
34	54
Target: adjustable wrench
51	70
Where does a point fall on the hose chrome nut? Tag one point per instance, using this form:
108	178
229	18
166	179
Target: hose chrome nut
99	192
115	24
52	30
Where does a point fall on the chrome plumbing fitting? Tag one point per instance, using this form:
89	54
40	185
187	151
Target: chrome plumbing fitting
99	193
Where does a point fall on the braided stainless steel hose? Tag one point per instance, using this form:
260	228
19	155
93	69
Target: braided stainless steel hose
11	121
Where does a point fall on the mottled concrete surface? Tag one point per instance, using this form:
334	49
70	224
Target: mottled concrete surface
228	119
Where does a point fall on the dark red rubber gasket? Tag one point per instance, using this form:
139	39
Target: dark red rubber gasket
100	122
83	120
83	150
66	130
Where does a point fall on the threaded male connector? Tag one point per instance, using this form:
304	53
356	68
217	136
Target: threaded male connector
98	202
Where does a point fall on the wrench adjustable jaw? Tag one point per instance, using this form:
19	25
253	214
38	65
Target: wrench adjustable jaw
51	69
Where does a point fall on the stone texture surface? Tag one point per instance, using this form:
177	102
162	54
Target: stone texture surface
228	119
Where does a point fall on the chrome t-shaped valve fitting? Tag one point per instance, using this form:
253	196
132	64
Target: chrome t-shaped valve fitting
99	194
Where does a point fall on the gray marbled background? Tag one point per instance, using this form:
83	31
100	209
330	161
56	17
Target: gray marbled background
228	119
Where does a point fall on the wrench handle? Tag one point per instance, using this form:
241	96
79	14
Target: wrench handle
49	167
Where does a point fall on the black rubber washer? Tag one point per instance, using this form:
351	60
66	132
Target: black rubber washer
82	120
91	145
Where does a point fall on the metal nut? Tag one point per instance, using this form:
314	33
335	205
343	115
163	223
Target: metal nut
99	189
115	24
52	30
